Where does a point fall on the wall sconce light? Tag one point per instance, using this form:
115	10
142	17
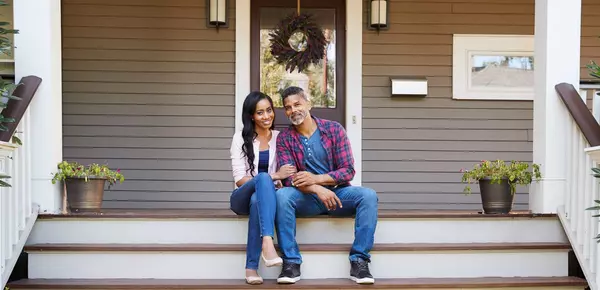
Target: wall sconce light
217	13
378	15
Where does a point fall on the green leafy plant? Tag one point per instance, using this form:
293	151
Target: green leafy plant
4	183
596	172
75	170
594	69
516	172
7	87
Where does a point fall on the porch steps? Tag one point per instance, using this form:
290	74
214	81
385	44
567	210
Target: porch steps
190	249
320	261
224	227
530	283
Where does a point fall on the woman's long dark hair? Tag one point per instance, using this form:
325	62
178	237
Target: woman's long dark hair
248	132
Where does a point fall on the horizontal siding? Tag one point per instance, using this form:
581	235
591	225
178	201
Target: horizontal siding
414	148
147	88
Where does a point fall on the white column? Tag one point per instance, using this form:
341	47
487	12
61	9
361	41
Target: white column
557	59
242	58
38	52
354	26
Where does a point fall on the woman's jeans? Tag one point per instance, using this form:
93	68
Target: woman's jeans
256	198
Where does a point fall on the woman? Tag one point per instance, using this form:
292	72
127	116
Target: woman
255	173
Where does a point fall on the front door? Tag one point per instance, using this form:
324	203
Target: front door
324	83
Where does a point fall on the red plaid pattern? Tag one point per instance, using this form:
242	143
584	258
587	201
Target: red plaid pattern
335	141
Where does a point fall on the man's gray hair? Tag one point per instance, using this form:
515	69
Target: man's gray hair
290	91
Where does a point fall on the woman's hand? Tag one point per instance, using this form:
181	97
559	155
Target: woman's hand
278	184
284	172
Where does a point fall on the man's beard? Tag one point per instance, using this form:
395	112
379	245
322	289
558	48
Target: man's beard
297	118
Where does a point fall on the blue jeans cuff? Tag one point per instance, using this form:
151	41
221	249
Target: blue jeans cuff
355	258
294	261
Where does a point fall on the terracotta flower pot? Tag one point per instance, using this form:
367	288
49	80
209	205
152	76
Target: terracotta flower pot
496	198
85	196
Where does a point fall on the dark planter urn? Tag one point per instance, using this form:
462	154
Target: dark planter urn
85	196
496	198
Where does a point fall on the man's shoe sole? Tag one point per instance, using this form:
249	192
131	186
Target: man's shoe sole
287	280
363	280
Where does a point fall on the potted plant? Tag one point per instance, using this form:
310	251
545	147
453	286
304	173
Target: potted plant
497	182
85	184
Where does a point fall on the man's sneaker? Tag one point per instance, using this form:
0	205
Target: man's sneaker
290	273
359	272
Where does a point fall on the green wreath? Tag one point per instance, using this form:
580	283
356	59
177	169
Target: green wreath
284	53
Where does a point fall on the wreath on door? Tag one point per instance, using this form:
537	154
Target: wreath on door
297	42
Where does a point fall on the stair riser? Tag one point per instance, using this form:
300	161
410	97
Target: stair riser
309	231
486	288
316	265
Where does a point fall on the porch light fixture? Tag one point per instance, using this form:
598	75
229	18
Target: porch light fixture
378	15
217	13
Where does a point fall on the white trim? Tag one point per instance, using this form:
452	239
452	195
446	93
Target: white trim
354	30
22	240
242	57
467	45
41	27
557	58
353	73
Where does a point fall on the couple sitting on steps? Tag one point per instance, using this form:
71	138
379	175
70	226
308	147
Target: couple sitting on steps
303	171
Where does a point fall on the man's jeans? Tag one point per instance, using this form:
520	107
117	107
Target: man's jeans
256	198
357	200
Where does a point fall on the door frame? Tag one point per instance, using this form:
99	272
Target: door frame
338	113
353	72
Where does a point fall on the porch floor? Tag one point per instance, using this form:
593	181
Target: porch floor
437	283
226	213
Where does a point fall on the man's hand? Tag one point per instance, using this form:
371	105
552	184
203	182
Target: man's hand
284	172
304	178
328	198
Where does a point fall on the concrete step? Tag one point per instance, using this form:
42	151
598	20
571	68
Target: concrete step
320	261
223	227
529	283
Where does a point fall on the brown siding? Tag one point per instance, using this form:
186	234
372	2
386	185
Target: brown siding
413	148
150	90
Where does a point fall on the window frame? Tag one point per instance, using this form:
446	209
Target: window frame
466	45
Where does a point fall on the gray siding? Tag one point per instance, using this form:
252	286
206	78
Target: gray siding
150	90
413	148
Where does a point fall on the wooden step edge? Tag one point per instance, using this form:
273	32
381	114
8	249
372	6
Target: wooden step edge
228	214
420	283
414	247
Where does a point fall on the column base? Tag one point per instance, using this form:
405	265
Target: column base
546	195
47	195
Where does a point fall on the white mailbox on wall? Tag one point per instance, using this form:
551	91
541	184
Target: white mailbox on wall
409	86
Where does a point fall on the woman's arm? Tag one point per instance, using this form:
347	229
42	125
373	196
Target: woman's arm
238	161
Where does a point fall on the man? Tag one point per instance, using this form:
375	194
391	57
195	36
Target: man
321	153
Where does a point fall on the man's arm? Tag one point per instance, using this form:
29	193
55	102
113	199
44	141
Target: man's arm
328	197
343	159
343	163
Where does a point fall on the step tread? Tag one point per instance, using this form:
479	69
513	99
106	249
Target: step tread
302	284
225	213
304	247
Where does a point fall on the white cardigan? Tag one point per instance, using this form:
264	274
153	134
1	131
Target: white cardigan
239	163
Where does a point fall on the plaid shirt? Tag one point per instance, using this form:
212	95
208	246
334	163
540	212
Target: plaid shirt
335	141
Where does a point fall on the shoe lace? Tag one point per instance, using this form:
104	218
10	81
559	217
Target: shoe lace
362	267
288	267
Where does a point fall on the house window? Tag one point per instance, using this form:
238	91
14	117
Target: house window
493	67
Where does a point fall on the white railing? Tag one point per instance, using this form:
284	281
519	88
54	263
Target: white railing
17	212
581	191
